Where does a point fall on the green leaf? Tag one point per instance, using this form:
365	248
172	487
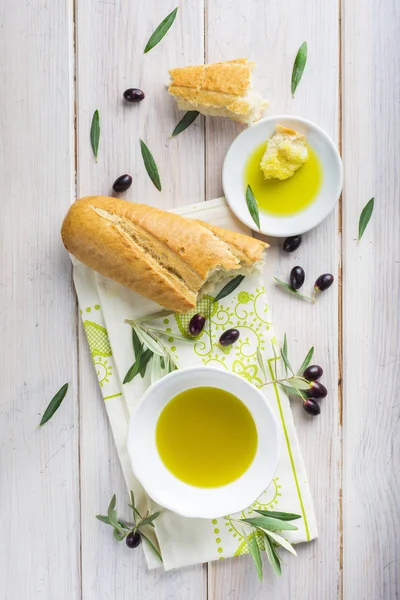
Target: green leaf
283	516
260	360
152	546
149	342
273	557
292	391
155	374
106	520
298	66
292	290
95	133
118	535
160	31
150	165
285	357
103	519
365	216
306	361
270	523
255	554
148	520
54	404
282	542
112	504
133	371
144	359
137	345
298	383
229	288
275	362
252	206
186	120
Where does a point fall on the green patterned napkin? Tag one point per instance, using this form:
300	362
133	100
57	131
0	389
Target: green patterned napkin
104	307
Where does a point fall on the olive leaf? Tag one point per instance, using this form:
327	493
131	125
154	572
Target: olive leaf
152	547
95	133
119	536
106	520
150	165
149	342
133	371
292	391
136	343
54	404
229	288
365	216
298	66
282	542
252	206
160	31
285	357
172	334
292	290
299	383
255	554
306	361
186	120
260	360
272	555
148	520
155	373
144	359
274	514
269	523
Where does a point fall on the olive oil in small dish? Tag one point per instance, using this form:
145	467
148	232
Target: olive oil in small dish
284	197
206	437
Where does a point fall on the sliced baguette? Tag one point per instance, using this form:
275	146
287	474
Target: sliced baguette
221	89
162	256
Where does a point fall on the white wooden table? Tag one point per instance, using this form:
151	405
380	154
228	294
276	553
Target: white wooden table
61	60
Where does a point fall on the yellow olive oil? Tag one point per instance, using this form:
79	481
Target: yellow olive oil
206	437
285	197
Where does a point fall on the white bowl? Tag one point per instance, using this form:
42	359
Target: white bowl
285	225
169	491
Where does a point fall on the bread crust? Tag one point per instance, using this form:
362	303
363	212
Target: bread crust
217	86
161	255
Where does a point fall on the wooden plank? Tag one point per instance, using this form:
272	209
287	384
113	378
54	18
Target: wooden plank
111	38
39	553
271	36
371	409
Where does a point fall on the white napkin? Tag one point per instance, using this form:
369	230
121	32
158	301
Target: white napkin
104	307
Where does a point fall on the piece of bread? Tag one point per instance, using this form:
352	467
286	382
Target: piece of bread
221	90
162	256
286	152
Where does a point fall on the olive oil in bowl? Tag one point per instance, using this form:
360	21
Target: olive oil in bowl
283	197
206	437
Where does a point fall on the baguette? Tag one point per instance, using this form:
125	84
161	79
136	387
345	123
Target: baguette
162	256
222	89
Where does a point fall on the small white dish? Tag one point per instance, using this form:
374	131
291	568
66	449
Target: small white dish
169	491
285	225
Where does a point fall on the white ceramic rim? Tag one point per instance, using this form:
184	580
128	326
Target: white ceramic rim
190	501
326	200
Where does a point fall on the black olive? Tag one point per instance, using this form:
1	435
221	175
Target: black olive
133	539
311	407
317	390
323	282
292	243
229	337
122	183
133	95
196	324
297	276
313	372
